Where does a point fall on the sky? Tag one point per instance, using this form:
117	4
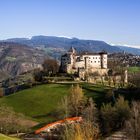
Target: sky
113	21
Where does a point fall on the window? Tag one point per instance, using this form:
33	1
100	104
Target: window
95	61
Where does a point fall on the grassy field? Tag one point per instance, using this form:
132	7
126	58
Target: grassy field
4	137
133	69
41	101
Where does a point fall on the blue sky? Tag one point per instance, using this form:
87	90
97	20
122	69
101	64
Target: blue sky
114	21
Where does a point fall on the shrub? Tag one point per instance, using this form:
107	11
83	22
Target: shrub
122	111
11	122
133	124
76	104
114	117
72	104
38	75
1	92
90	113
107	118
83	131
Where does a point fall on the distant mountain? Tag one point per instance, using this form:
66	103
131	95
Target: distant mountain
131	50
16	58
18	55
56	45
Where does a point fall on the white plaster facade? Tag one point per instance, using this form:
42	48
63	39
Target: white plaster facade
72	62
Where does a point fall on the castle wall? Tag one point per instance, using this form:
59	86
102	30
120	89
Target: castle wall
79	64
71	62
94	61
104	61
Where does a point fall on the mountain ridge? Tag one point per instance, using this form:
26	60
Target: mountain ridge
65	43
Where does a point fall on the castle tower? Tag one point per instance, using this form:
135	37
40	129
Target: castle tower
72	53
86	63
72	50
125	76
103	56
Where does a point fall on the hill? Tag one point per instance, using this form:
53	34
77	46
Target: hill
16	58
131	50
53	45
4	137
18	55
40	102
37	102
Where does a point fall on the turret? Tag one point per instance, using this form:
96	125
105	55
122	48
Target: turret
103	60
72	50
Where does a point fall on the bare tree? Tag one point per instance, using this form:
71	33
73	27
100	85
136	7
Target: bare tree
1	92
81	131
114	117
50	66
11	122
73	103
76	104
133	125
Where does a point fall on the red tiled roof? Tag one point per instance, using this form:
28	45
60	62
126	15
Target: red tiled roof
48	126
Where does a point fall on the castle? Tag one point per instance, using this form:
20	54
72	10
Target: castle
81	63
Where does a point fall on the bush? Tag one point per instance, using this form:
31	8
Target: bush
133	124
81	131
90	113
38	75
114	117
76	104
122	111
11	122
107	118
72	104
1	92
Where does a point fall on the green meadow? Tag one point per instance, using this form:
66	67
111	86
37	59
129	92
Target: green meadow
40	102
4	137
133	69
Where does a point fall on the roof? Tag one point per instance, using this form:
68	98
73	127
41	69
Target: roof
91	53
65	55
55	124
72	49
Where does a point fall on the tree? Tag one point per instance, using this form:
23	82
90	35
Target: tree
107	118
90	113
50	66
1	92
134	79
114	117
122	111
11	122
76	104
133	124
81	131
38	75
72	104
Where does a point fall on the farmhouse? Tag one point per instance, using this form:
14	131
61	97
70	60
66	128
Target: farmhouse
85	62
